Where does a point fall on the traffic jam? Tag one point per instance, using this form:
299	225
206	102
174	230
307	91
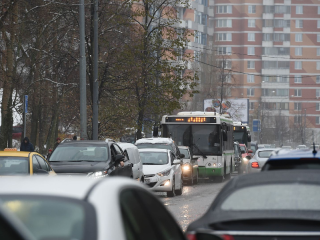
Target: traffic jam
200	177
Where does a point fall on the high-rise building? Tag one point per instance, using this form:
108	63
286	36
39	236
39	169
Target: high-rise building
273	48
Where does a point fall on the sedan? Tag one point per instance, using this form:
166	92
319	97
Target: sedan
259	159
162	171
13	162
82	208
190	166
265	205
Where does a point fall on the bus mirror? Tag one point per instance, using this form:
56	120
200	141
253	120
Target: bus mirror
224	134
249	138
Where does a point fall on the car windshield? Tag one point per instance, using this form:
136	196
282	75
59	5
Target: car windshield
75	153
291	164
155	145
14	166
264	154
154	158
240	136
202	139
274	197
242	148
185	152
48	218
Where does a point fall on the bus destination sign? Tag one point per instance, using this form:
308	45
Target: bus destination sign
191	119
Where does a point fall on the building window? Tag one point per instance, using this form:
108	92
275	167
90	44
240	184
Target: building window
251	65
298	51
222	23
299	9
318	23
251	51
224	9
298	37
297	119
297	106
298	65
297	79
251	23
280	23
299	23
297	92
251	106
200	38
250	78
318	10
317	92
224	51
224	37
252	9
317	106
200	18
318	37
318	79
250	92
251	37
317	120
318	51
318	65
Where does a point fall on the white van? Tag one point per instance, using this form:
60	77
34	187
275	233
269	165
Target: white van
132	153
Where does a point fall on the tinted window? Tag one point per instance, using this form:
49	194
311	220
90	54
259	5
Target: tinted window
48	218
14	165
185	152
154	158
274	197
35	163
43	164
291	164
92	153
264	154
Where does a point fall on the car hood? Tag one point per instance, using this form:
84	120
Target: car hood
153	169
78	167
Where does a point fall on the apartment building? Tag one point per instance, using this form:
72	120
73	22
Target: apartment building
273	48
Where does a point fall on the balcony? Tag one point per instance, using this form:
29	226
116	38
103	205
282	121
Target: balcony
267	43
268	2
267	29
273	72
267	16
275	85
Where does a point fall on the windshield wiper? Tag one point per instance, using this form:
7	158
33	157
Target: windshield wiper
203	155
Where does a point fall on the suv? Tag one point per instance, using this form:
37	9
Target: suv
90	157
162	143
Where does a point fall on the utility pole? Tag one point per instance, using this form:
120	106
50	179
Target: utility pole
222	81
83	81
95	73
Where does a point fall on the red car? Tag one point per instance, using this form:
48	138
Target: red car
246	155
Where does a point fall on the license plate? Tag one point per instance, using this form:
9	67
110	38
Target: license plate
147	180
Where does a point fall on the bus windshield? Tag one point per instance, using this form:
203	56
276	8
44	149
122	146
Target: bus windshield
240	137
202	139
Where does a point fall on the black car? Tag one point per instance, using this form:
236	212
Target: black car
91	158
266	205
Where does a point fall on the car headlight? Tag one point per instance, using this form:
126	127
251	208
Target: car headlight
186	167
245	159
164	173
98	174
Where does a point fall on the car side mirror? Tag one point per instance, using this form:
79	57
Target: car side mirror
176	162
118	158
250	151
182	155
39	171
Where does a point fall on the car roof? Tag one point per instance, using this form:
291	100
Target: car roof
153	150
266	149
126	145
295	155
183	147
154	140
15	153
61	186
83	143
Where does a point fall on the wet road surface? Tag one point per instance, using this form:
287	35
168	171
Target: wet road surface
193	203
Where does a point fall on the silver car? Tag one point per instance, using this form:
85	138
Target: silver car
190	166
259	159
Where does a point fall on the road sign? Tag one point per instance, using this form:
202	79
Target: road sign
25	103
256	125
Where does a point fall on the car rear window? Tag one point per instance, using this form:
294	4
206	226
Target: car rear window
185	152
274	197
52	218
154	158
264	154
291	164
14	165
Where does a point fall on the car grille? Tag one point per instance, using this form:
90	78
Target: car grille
150	175
151	184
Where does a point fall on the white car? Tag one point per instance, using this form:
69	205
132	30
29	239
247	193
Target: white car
259	159
133	155
302	147
77	208
162	171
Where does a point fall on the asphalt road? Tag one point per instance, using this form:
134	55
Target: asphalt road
193	202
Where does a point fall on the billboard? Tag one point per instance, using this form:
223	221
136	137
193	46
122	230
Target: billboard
238	109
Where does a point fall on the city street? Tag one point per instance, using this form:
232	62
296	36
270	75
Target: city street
194	201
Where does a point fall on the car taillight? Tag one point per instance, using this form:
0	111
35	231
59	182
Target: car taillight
227	237
191	236
254	165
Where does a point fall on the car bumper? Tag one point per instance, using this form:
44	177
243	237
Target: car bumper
254	170
158	184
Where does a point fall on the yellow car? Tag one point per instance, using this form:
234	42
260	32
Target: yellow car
14	163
